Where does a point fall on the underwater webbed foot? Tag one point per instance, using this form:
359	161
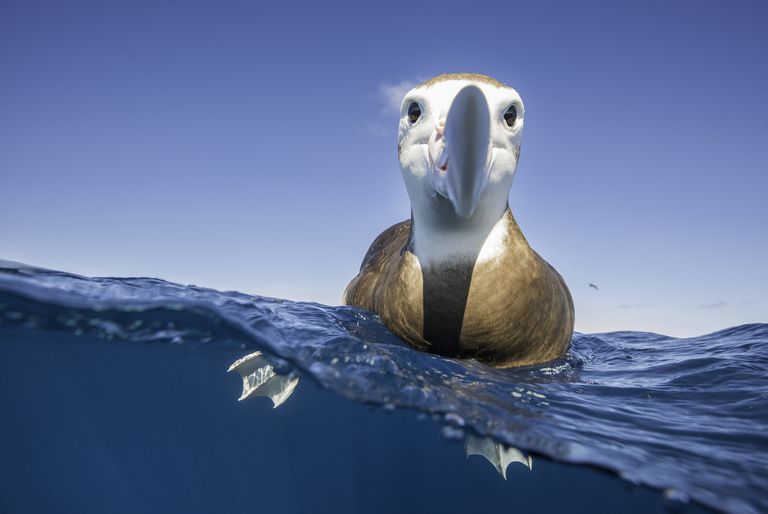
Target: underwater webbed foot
260	379
499	455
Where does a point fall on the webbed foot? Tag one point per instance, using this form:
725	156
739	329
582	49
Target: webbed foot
260	379
499	455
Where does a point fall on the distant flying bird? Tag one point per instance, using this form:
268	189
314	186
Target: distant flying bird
594	286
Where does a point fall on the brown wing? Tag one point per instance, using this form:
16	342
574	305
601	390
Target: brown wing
378	263
519	310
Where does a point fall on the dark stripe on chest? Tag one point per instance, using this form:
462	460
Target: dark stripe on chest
446	288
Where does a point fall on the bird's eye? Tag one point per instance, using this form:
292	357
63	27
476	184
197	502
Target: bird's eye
510	116
414	111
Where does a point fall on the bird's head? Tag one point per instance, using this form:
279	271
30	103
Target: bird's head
458	145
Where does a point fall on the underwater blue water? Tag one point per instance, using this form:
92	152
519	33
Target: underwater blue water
688	416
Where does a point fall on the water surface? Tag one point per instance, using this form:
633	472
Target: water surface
688	417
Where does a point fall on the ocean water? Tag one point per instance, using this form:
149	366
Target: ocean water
116	398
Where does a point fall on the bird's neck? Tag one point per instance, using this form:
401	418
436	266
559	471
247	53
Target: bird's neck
439	238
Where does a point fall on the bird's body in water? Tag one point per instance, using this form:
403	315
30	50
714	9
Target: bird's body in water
459	277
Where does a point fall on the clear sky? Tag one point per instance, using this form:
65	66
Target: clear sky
252	145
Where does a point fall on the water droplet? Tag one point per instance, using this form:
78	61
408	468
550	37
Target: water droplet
674	500
630	477
452	433
454	419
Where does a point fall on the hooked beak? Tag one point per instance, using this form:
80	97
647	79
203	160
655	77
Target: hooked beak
460	151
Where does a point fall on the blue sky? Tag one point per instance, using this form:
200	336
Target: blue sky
248	146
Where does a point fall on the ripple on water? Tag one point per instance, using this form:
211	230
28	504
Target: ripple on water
689	416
